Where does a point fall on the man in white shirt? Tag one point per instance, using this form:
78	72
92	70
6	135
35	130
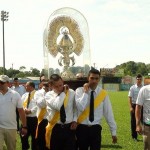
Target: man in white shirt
41	114
61	115
30	108
92	104
143	99
21	90
133	93
9	101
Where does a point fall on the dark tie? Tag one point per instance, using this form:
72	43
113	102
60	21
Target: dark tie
62	114
91	115
28	100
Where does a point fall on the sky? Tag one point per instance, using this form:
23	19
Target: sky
119	31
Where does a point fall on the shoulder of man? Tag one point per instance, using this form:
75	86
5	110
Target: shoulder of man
25	94
14	93
79	89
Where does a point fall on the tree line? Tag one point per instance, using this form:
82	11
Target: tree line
133	68
130	68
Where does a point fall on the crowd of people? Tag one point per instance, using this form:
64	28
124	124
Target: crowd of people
59	118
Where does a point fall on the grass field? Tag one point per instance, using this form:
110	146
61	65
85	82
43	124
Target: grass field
120	106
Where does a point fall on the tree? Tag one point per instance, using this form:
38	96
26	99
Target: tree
57	71
35	72
133	68
22	68
51	71
142	68
1	70
86	69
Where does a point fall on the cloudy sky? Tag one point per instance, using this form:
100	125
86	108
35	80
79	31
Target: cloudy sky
119	30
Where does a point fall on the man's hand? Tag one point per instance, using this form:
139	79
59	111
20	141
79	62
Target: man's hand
114	139
73	125
27	111
23	132
131	110
86	87
139	129
66	88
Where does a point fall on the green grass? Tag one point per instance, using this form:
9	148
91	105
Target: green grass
120	106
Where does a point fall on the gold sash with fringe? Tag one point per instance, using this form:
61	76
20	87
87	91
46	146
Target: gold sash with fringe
54	120
100	97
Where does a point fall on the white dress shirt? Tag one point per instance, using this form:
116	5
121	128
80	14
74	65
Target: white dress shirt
32	105
55	101
40	101
104	109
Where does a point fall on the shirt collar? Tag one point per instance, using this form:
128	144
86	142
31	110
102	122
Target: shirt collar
138	86
96	90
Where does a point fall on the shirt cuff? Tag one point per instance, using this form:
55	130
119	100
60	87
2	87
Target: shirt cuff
113	133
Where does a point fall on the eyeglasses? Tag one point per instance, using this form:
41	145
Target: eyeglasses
2	82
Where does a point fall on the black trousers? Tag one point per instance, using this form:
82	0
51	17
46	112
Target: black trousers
31	124
17	119
133	122
62	138
88	136
41	143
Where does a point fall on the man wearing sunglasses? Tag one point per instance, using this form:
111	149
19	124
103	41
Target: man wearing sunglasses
133	93
9	101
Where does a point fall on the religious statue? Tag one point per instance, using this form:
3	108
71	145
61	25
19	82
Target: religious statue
64	38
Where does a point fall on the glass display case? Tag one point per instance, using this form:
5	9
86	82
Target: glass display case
66	44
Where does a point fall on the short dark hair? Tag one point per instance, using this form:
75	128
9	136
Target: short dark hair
54	78
94	71
138	76
32	84
15	78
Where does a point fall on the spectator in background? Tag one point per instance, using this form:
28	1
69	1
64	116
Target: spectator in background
133	93
21	90
9	101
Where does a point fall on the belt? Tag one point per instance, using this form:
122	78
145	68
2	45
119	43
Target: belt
86	125
146	124
63	125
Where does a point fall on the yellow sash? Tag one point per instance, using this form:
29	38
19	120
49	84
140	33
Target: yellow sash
40	118
100	97
26	101
54	120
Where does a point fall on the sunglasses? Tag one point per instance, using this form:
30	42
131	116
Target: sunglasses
2	82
